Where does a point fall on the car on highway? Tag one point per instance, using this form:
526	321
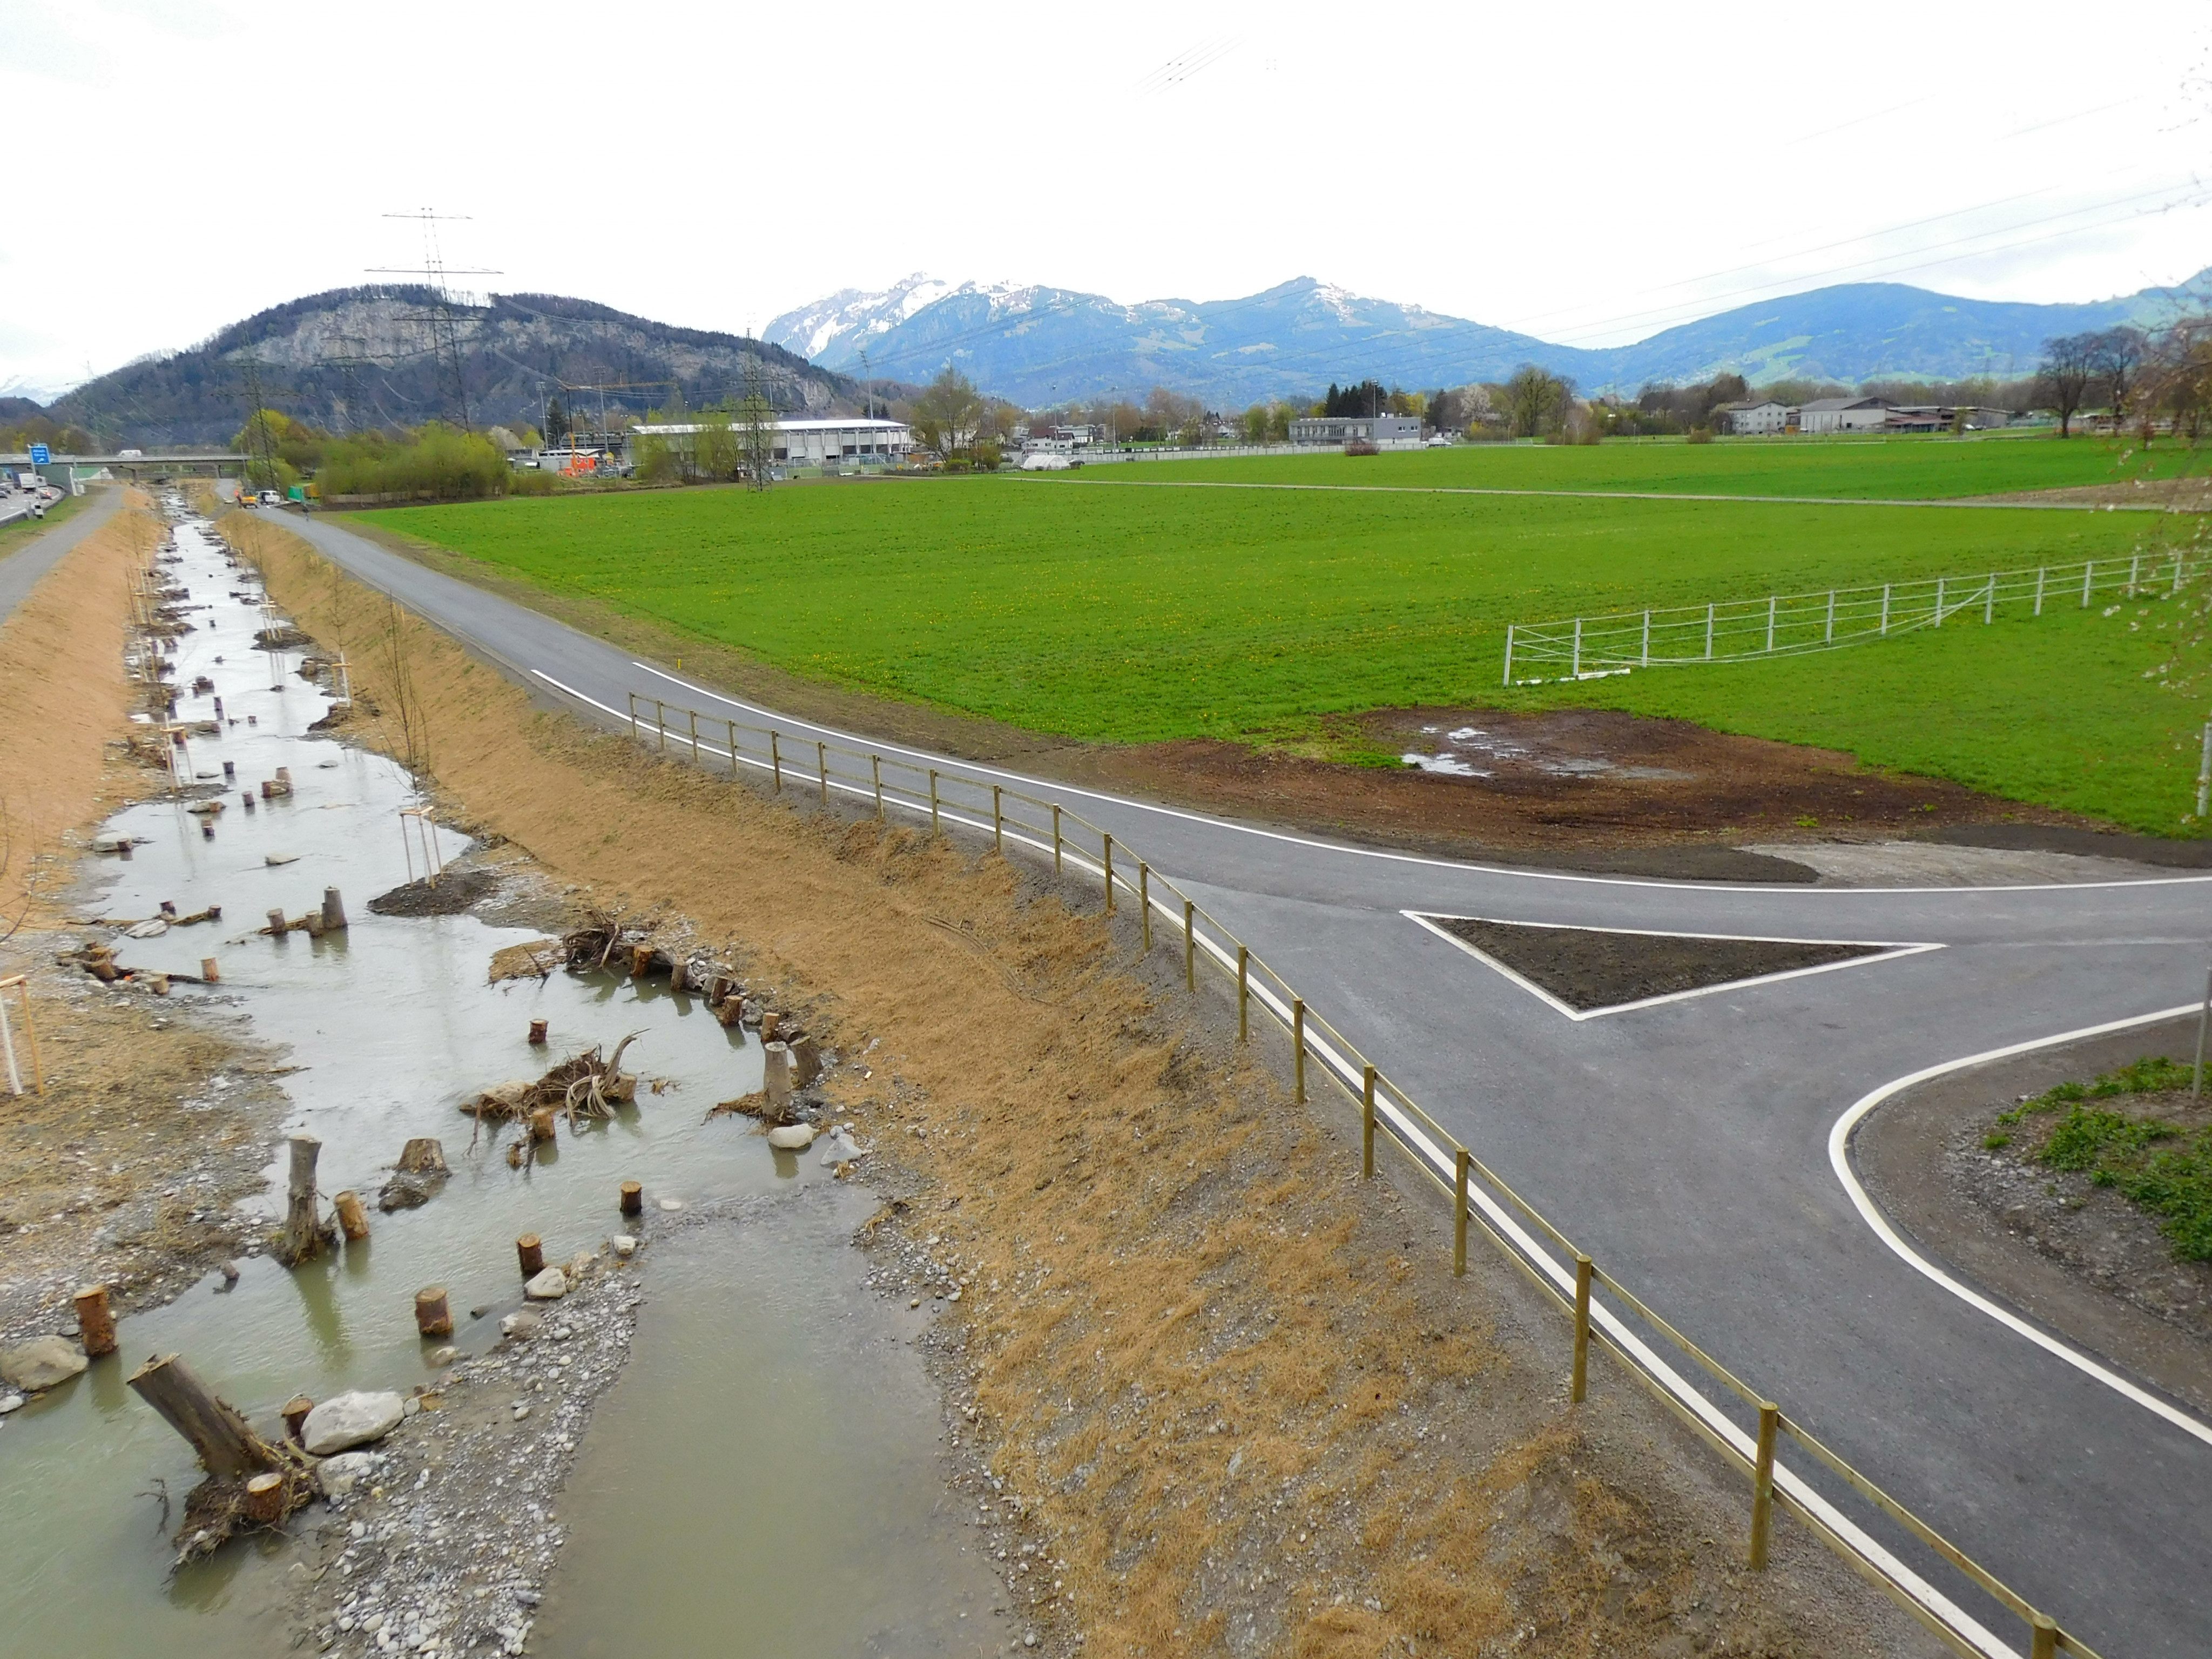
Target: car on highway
270	498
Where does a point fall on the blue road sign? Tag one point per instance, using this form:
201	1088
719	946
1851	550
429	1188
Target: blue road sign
41	456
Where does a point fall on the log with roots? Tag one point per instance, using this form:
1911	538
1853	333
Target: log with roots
252	1483
586	1086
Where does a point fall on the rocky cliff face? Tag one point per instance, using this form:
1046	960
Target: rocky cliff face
360	357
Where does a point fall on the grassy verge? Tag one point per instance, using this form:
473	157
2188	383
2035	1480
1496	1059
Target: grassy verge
15	533
2163	1168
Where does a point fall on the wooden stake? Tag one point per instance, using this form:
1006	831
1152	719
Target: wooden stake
432	1317
353	1220
96	1323
530	1256
227	1447
277	925
265	1499
210	974
334	915
295	1413
537	1034
633	1198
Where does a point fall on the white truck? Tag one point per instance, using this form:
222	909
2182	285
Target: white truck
26	480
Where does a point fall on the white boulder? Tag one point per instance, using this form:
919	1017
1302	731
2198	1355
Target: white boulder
549	1287
350	1419
44	1362
791	1137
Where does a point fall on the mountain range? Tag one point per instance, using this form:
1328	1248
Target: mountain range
1038	346
364	356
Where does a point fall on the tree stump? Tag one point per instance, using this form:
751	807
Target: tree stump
776	1079
265	1499
679	975
530	1256
353	1220
633	1198
303	1232
541	1125
228	1446
295	1413
423	1155
334	915
432	1317
96	1323
537	1034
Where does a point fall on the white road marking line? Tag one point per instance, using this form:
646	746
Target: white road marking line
1840	1138
1882	950
1783	889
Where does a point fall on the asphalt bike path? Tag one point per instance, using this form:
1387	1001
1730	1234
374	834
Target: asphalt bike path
20	571
1685	1145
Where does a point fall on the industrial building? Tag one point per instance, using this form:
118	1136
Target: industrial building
1384	431
856	439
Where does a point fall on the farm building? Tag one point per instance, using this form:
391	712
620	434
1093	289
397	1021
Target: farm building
1746	419
1843	414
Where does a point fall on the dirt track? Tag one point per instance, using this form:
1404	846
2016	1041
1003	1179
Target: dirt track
1236	1392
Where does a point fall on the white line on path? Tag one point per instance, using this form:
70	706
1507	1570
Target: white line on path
1771	887
1839	1139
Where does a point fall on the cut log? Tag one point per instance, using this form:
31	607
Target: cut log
432	1317
633	1198
679	975
805	1060
776	1079
96	1323
278	927
353	1219
303	1232
295	1413
541	1124
227	1447
530	1256
537	1034
334	915
265	1499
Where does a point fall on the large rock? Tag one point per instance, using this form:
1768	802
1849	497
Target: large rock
549	1287
791	1137
44	1362
342	1473
349	1420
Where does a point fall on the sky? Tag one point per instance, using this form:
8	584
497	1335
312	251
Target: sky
1589	174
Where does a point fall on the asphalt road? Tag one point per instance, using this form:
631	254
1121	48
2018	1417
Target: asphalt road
1685	1146
20	571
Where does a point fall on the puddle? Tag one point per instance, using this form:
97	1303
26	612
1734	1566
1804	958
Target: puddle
1496	751
394	1024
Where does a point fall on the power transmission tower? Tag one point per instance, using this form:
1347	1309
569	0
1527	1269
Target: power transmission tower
757	430
352	358
445	325
257	425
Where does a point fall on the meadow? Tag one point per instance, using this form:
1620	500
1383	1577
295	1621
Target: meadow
1084	607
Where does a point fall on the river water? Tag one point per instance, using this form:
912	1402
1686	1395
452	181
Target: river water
770	1401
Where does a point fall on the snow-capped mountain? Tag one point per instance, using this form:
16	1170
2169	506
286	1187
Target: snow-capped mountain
1040	345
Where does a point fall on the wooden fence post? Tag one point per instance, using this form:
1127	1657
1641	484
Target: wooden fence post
1762	1483
1367	1124
1583	1273
1458	1211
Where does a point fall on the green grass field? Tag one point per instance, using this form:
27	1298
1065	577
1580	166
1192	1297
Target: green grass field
1899	469
1110	613
16	532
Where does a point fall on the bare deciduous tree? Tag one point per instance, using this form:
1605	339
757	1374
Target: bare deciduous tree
2070	366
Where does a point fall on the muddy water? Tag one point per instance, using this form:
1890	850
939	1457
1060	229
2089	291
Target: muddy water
393	1024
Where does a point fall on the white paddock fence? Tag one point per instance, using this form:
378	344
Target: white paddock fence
1790	624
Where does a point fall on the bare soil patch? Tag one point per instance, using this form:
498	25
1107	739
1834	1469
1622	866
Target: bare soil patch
448	896
1589	968
1224	1397
2190	495
2078	1258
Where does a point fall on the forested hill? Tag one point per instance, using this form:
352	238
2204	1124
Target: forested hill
364	356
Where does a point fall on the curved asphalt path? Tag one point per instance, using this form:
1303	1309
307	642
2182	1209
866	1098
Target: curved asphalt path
20	571
1685	1146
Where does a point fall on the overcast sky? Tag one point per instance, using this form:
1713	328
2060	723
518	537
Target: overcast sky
1589	173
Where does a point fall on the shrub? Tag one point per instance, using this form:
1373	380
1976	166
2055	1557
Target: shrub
434	463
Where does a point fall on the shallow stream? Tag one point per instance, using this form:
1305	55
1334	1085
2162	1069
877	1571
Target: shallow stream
770	1399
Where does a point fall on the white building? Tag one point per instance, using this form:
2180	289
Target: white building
1384	431
858	440
1748	420
1843	414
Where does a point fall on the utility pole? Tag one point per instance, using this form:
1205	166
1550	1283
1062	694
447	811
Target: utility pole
445	325
257	424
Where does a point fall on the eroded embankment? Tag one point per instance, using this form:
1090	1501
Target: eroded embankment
1225	1397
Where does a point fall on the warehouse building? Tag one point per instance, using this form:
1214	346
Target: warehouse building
858	441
